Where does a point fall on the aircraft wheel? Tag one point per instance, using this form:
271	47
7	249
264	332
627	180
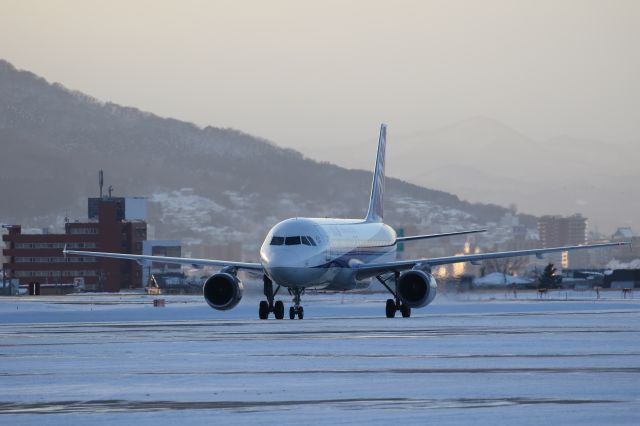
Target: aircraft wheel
263	310
300	312
391	308
292	313
405	310
278	309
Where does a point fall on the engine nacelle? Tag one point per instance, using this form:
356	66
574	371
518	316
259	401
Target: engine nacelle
222	291
417	288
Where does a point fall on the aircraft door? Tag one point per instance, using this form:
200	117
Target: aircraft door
323	241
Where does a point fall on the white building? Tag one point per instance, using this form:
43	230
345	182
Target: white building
171	248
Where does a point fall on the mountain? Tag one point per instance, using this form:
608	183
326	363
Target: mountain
483	159
205	184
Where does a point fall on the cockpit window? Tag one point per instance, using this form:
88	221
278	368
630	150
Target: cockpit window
277	241
292	241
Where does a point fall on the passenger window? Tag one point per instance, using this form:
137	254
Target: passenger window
305	241
277	241
292	241
313	243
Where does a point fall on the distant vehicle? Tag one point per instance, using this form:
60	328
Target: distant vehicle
335	254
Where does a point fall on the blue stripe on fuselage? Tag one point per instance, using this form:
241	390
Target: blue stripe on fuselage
364	255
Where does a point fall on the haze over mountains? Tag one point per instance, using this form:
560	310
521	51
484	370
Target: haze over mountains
206	184
480	159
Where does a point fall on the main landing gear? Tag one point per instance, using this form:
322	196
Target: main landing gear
268	306
276	306
395	304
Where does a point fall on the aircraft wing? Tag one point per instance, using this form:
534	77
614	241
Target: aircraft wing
165	259
446	234
370	270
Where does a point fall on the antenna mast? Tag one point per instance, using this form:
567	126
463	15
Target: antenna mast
101	181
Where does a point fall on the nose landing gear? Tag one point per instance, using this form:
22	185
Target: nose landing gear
296	309
267	306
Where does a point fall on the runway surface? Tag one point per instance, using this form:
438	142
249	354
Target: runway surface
473	360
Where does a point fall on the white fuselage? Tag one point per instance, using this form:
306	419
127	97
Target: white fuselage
323	253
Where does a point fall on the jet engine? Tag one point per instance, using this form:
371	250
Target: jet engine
416	288
222	291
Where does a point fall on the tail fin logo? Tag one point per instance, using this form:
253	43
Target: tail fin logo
376	210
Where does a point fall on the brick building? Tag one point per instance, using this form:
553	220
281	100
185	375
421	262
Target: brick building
39	258
556	231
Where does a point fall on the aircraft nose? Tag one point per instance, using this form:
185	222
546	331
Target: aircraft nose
285	269
294	276
274	257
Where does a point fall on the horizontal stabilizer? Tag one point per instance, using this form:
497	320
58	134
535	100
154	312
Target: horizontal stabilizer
446	234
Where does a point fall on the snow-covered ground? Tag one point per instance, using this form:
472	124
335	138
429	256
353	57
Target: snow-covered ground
471	358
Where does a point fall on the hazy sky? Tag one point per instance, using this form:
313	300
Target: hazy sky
305	72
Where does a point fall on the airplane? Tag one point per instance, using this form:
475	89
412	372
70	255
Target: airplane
334	254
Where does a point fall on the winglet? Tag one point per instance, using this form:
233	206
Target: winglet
64	251
376	210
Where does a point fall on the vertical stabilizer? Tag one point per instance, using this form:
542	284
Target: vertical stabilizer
376	210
